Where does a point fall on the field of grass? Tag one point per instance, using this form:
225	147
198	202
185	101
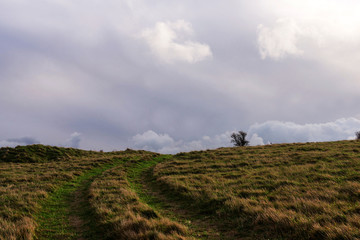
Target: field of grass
35	187
288	191
281	191
40	153
122	213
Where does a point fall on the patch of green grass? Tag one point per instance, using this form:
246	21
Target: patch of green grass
24	186
120	210
136	171
53	219
143	183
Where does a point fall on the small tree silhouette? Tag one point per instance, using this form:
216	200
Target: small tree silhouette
239	139
357	134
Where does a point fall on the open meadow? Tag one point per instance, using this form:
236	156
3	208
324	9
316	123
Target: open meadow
281	191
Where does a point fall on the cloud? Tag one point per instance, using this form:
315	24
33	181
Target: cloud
164	143
307	29
256	140
65	65
152	141
287	132
169	42
74	140
279	41
13	142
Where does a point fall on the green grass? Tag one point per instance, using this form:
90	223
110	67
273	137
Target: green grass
281	191
121	205
141	181
134	174
24	187
53	219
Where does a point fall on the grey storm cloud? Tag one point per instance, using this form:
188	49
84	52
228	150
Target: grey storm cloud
118	69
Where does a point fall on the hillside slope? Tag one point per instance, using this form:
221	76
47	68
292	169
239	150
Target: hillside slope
282	191
40	153
44	190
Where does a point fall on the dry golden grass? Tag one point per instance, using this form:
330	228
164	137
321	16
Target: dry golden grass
124	216
285	191
23	186
23	228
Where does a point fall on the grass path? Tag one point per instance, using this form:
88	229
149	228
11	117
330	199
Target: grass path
142	182
66	214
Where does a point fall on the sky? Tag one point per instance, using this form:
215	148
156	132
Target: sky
172	76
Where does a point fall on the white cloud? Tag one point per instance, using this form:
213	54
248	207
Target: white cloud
286	132
152	141
74	140
279	41
163	143
169	42
256	140
328	34
260	134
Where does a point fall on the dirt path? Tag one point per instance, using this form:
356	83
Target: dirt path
81	217
66	213
200	225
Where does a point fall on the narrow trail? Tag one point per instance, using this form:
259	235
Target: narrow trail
82	217
200	225
66	213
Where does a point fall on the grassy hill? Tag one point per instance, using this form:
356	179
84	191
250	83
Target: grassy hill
282	191
40	153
